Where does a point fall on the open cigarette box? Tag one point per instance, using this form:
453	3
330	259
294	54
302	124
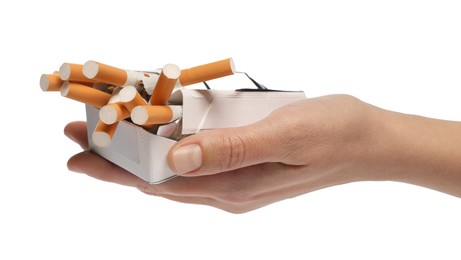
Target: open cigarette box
135	117
144	153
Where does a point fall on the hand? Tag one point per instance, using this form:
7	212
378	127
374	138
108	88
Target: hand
299	148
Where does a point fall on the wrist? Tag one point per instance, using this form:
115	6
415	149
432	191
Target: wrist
416	150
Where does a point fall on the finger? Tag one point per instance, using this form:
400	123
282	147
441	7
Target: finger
232	186
186	199
77	132
221	150
209	202
238	191
198	200
97	167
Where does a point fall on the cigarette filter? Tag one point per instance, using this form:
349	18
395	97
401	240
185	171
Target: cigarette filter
113	113
50	82
73	72
111	75
131	97
154	115
165	84
103	133
85	94
207	72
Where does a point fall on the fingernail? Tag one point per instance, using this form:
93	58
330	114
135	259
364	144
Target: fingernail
187	158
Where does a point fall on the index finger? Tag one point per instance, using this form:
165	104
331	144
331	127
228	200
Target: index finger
77	132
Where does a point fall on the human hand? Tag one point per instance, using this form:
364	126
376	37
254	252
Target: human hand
299	148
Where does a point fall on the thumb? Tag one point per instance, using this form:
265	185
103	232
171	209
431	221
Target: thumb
221	150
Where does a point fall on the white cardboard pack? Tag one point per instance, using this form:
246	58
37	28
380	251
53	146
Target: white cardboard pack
145	154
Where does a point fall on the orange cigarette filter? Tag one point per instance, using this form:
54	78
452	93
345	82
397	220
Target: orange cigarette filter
103	133
50	82
131	98
73	72
155	115
207	72
85	94
165	85
113	113
105	73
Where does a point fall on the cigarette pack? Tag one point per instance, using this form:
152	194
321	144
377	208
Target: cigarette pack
144	153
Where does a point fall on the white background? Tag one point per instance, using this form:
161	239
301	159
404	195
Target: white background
400	55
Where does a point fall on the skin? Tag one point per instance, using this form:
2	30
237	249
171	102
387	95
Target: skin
302	147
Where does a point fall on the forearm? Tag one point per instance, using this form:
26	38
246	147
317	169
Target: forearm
420	151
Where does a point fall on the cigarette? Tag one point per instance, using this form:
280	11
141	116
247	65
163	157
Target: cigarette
73	72
149	80
131	98
85	94
50	82
165	84
155	115
108	88
103	133
113	113
111	75
115	97
207	72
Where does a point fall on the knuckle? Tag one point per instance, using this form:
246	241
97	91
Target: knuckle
232	151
